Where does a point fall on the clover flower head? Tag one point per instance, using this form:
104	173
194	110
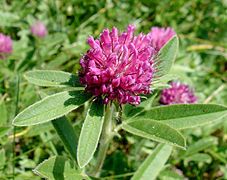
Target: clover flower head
178	94
160	36
120	66
5	45
38	29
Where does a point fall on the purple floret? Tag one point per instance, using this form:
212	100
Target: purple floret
119	66
5	45
39	29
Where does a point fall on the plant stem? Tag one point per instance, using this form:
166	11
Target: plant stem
14	128
106	137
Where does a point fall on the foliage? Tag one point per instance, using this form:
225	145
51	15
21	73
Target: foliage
200	62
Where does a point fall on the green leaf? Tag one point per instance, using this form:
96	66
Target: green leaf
52	78
212	127
201	144
4	130
2	158
27	163
37	130
90	133
60	59
8	19
167	56
51	107
53	39
67	134
65	131
155	130
169	175
218	156
181	116
148	102
225	126
20	49
153	164
3	112
59	168
131	111
199	157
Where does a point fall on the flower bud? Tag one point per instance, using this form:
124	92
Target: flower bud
39	29
5	45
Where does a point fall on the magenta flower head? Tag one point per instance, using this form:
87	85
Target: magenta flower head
160	36
5	45
119	66
178	94
38	29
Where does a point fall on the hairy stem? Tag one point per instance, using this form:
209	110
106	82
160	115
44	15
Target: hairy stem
106	137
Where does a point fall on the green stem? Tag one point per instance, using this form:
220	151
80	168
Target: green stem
106	137
14	128
118	176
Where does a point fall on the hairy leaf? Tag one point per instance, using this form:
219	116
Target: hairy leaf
58	167
169	175
90	133
51	107
52	78
153	164
181	116
201	145
199	157
155	130
66	132
166	57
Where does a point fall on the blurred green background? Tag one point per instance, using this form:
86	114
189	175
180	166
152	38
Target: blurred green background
201	62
